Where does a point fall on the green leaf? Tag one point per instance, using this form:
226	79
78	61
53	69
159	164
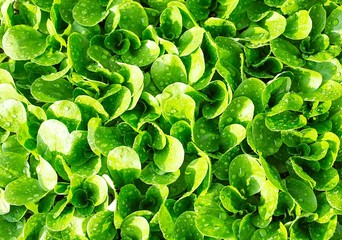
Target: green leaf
246	174
318	151
134	81
286	52
165	219
302	194
49	57
171	157
51	91
306	80
323	231
206	135
252	88
135	227
261	139
13	166
100	226
12	115
100	55
190	41
171	22
23	190
231	136
168	69
89	13
332	153
199	11
326	179
188	20
89	108
220	168
212	220
274	230
231	199
333	26
298	25
47	176
128	200
65	10
51	142
124	165
290	101
22	42
285	205
240	111
4	205
219	27
255	34
77	50
151	175
179	107
333	196
125	40
34	225
182	131
96	188
155	196
246	227
158	137
177	104
324	209
44	5
133	17
328	91
60	216
185	227
147	110
77	153
12	145
91	167
239	14
195	173
228	52
10	229
318	17
286	120
116	100
274	23
269	200
146	54
6	77
4	135
195	65
66	112
218	101
215	224
272	174
102	139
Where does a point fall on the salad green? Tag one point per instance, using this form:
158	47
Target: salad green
171	119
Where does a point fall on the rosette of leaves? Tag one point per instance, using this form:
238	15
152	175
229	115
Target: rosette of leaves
88	193
163	119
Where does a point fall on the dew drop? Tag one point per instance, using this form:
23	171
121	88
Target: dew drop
241	172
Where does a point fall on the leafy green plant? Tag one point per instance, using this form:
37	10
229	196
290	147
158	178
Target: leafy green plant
170	119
